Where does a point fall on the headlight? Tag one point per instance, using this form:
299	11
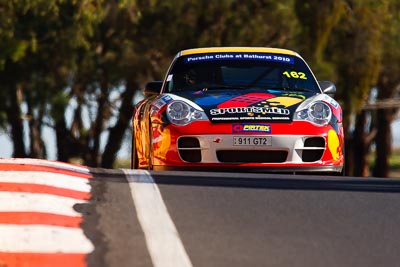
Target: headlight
317	112
181	113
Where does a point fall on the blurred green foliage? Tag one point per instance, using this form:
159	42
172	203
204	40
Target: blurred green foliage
88	57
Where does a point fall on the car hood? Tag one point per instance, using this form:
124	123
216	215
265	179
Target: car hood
247	105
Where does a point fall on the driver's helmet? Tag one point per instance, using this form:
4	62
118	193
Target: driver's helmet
190	77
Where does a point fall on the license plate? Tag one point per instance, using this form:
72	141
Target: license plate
252	141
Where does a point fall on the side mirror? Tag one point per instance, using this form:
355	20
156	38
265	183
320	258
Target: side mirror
153	88
328	87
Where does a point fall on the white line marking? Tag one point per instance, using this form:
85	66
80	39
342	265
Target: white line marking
34	202
46	178
43	239
162	238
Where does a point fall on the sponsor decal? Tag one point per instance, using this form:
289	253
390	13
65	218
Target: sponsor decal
257	118
159	103
246	100
334	103
334	144
283	101
253	107
251	128
163	101
167	98
256	107
250	111
295	95
240	56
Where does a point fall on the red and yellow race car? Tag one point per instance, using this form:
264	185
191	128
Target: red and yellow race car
239	108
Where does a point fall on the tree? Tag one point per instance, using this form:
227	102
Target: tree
334	29
75	66
360	30
40	39
388	88
317	21
131	63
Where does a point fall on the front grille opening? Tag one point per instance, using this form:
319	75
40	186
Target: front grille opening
189	149
190	155
252	156
315	154
315	142
312	155
188	142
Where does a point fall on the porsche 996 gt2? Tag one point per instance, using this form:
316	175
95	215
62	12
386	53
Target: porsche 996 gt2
239	108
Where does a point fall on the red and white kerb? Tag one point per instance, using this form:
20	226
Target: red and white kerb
38	223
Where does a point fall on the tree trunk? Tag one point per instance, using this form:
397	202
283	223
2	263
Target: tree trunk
98	125
117	132
361	147
62	143
37	146
14	118
383	143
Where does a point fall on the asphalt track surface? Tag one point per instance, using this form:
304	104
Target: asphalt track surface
229	219
140	218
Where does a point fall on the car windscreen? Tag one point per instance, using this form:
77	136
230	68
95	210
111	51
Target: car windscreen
240	71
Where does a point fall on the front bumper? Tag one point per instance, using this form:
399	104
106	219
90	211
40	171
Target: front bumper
298	147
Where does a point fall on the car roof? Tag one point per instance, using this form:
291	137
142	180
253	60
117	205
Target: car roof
206	50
